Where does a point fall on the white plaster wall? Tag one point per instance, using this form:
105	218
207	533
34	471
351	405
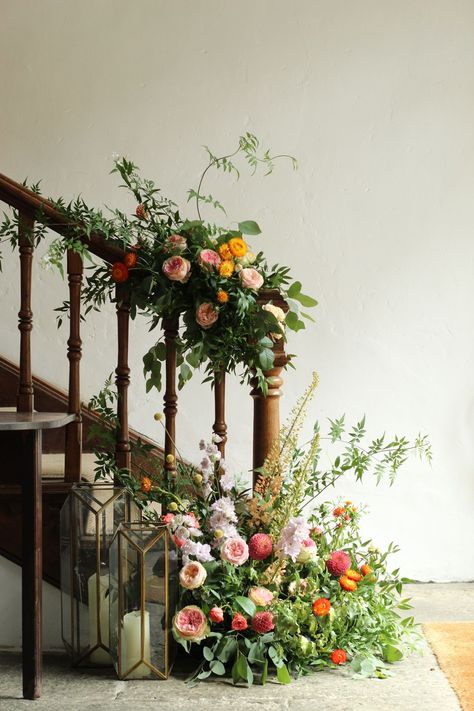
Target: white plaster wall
376	99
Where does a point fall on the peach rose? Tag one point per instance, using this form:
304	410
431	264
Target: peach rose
177	269
176	243
235	551
191	624
192	576
260	596
250	278
208	259
206	315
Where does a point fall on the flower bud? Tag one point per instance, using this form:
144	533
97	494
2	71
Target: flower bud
158	416
197	479
173	506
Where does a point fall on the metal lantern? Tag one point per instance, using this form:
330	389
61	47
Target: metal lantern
89	518
143	594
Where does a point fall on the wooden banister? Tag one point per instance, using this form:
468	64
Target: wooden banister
170	328
220	426
122	380
25	315
73	455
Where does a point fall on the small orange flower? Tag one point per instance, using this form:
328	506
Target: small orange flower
146	484
321	607
353	575
238	247
119	272
226	268
338	656
366	569
347	584
224	251
222	296
130	259
339	511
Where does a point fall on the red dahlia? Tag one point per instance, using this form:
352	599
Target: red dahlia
262	622
260	546
338	563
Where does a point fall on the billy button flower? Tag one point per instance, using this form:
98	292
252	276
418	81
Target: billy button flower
222	296
238	247
226	268
119	272
130	260
224	252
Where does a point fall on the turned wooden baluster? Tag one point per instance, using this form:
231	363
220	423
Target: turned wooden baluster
220	427
25	315
73	454
122	380
266	409
170	328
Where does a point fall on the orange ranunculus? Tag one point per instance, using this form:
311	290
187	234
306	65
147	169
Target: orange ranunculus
130	259
222	296
339	511
353	575
366	569
238	247
321	607
226	268
145	484
224	251
119	272
338	656
347	584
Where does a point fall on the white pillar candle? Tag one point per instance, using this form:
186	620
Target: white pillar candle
99	656
131	647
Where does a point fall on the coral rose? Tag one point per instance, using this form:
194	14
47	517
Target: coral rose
307	552
353	575
250	278
226	268
262	622
191	624
176	244
177	269
321	607
338	563
192	576
238	247
167	518
206	315
208	259
239	623
235	551
347	584
119	272
260	546
145	484
260	596
338	656
224	252
216	614
130	259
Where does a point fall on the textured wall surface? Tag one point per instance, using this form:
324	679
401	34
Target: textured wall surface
376	99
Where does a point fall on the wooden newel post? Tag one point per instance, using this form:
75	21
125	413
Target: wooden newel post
122	380
73	454
170	328
220	427
266	408
25	315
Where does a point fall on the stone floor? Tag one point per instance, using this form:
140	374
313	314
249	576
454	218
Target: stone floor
417	684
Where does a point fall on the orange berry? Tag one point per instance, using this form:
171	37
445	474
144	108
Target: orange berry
353	575
347	584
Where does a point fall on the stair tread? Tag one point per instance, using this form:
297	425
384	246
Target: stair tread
53	466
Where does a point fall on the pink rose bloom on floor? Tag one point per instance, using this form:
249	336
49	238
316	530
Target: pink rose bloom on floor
250	278
176	243
206	315
235	551
192	576
208	259
260	596
177	269
191	624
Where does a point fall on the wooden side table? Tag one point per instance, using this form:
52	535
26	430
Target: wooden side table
30	425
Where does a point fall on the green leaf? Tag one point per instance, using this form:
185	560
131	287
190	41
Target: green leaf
228	650
283	674
392	654
208	654
249	227
266	359
217	667
246	605
294	292
293	322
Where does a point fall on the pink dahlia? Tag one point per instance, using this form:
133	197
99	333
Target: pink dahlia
262	622
260	546
338	563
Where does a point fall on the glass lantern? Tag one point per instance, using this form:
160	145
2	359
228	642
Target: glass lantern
143	596
89	518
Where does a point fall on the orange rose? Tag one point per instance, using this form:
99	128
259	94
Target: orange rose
366	569
347	584
222	296
119	272
226	268
321	607
238	247
353	575
130	259
224	251
145	484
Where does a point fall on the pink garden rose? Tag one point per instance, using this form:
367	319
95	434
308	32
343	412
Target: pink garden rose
208	259
206	314
167	518
250	278
260	596
235	551
191	624
192	575
176	244
177	269
216	614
